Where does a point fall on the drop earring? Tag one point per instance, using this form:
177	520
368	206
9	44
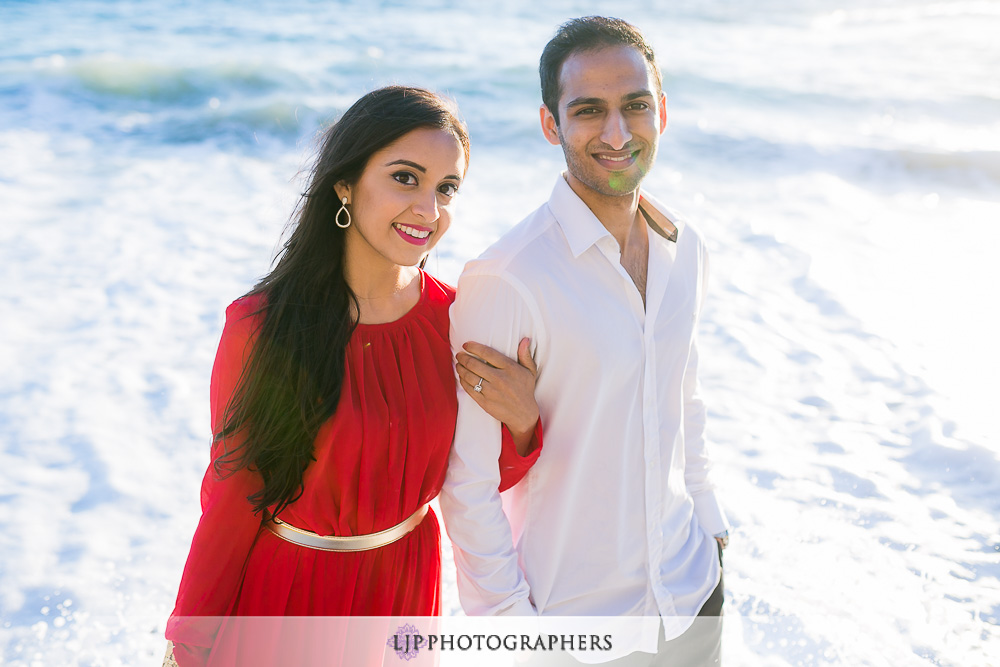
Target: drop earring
343	209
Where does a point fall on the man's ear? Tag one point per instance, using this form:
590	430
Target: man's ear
549	127
663	112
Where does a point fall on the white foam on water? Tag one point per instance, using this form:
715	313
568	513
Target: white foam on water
846	182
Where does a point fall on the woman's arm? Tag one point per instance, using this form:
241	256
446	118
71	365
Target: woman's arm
228	527
514	465
507	393
506	388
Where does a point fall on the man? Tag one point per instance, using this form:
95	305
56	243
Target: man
617	516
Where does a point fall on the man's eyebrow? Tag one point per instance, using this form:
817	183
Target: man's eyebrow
585	101
598	101
636	95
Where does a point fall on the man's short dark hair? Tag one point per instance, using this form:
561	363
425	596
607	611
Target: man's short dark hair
588	33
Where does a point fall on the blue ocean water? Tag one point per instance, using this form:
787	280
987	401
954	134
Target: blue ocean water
141	76
841	158
148	74
897	99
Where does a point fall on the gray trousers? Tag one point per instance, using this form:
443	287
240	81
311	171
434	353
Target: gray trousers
699	646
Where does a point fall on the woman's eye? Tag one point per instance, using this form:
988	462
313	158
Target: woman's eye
405	177
449	189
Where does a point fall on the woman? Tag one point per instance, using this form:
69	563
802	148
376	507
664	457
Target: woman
333	394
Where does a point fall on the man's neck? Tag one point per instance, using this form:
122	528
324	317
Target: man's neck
616	213
621	217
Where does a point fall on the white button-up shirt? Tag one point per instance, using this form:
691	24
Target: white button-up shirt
617	515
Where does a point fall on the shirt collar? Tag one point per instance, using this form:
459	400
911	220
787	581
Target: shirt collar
580	226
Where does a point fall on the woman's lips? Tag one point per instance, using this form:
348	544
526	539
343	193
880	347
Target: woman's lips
413	234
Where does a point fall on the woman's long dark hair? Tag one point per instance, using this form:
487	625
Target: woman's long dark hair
292	381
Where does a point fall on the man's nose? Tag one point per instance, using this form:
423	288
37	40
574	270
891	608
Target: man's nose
615	132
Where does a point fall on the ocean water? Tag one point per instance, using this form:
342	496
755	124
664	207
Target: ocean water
842	159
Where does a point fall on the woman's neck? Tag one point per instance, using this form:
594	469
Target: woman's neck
385	293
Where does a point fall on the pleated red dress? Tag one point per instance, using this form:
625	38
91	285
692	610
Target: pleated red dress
380	457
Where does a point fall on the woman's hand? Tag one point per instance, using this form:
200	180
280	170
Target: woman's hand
506	387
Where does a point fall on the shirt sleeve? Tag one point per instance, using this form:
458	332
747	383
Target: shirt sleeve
491	311
513	466
228	525
697	463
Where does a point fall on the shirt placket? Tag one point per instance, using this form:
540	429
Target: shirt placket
658	272
652	460
609	248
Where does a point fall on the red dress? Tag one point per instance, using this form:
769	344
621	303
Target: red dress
380	457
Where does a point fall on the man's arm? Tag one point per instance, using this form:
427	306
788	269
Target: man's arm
491	311
697	464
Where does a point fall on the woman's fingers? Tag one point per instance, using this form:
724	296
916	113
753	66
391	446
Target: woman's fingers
524	356
466	375
508	386
499	360
469	382
476	366
488	354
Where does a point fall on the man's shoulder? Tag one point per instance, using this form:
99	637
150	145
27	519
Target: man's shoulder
688	232
521	248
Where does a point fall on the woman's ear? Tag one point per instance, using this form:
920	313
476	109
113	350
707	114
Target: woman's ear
343	190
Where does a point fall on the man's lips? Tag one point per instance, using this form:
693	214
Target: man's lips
616	160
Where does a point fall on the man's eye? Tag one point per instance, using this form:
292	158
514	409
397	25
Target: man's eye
588	111
637	106
405	177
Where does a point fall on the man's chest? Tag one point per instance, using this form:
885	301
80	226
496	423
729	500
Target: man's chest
635	261
594	318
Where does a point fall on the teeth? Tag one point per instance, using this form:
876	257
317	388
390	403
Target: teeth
410	231
612	158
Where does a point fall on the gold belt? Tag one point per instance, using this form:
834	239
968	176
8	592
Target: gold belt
309	539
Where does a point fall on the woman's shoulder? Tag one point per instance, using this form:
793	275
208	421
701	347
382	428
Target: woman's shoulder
246	306
436	301
244	317
437	291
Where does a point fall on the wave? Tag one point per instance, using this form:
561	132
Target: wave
908	13
869	164
986	163
107	96
118	79
244	124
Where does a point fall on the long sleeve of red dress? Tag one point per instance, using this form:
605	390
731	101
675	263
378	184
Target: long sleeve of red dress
228	526
380	457
514	466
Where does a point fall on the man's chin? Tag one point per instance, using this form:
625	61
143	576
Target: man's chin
623	183
616	184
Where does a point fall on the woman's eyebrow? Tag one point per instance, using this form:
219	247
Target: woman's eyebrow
421	168
408	163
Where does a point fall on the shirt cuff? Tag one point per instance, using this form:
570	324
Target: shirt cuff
513	466
710	515
522	607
